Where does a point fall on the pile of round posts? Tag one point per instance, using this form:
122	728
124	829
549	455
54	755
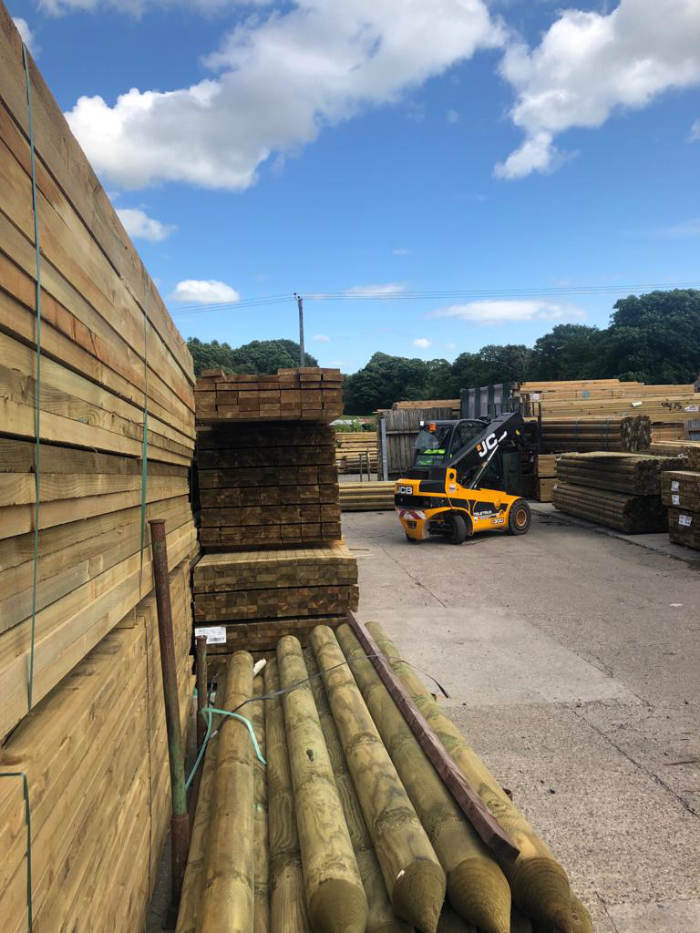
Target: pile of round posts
367	497
635	474
633	515
539	885
581	434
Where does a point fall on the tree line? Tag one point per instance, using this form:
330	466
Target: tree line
653	338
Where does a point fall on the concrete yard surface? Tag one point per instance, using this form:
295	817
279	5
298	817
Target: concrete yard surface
572	660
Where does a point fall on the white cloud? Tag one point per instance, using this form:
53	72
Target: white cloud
27	35
689	228
321	338
204	292
695	130
282	77
452	116
422	342
401	252
499	311
590	65
139	225
375	291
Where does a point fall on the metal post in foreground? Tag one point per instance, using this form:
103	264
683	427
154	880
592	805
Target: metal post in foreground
200	667
180	822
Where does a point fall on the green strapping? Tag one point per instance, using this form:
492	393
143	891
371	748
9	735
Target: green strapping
37	389
28	822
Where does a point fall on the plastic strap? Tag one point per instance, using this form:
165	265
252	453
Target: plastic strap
37	388
209	711
28	822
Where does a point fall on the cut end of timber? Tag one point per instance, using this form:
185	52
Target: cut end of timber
542	891
338	907
479	892
581	919
419	893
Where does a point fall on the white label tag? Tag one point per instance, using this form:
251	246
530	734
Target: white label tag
685	520
215	634
675	485
691	408
675	498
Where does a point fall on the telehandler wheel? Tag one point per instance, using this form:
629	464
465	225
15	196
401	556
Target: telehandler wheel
519	518
457	529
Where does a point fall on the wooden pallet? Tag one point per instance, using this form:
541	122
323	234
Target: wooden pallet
305	394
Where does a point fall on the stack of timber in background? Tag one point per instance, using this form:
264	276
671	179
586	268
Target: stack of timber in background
267	484
621	491
453	404
258	596
400	427
680	491
546	476
112	366
367	497
327	847
304	394
566	435
356	451
671	409
95	754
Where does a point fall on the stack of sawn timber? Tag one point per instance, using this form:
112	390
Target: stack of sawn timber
95	753
680	491
621	491
356	451
367	497
269	509
546	476
269	483
105	366
348	826
254	593
305	394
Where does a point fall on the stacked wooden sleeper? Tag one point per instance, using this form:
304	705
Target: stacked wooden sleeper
680	491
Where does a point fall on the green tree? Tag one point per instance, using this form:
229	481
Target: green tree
655	338
569	351
259	356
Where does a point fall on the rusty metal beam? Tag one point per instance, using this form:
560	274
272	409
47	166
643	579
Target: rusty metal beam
488	828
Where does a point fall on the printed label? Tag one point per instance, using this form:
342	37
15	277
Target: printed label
215	634
685	520
675	498
675	485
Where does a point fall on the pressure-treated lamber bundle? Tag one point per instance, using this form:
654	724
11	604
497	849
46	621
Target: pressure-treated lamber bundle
634	474
380	917
227	899
335	897
629	514
367	497
286	882
539	884
412	873
582	434
681	489
476	886
684	527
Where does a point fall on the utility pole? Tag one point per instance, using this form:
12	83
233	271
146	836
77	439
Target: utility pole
300	305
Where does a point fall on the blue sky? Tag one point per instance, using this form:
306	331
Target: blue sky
488	158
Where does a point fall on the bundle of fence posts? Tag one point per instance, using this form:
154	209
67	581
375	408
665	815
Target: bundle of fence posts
680	491
622	491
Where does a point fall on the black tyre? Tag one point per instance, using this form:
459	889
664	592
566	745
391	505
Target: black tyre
457	528
519	518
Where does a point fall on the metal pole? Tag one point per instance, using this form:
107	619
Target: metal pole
200	665
385	463
300	305
179	822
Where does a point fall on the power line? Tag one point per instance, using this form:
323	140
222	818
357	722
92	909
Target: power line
434	295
